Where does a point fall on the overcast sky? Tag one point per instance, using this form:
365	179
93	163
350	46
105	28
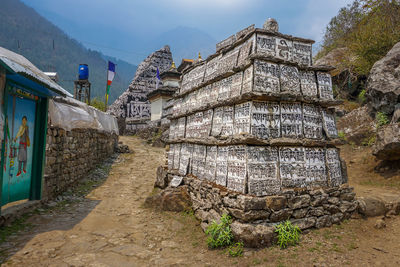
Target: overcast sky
113	25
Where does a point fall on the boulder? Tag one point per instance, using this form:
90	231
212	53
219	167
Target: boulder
371	207
357	125
170	199
383	84
161	178
254	236
387	145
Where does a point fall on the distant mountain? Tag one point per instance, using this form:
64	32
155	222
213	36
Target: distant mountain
24	31
185	42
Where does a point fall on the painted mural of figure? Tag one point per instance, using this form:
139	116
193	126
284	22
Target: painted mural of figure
24	142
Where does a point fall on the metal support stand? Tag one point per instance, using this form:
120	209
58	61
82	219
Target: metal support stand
82	91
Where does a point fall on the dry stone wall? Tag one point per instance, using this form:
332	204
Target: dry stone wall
70	155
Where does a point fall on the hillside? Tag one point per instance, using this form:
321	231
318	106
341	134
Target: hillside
24	31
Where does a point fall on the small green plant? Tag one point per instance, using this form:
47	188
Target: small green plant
288	234
369	141
236	250
220	235
361	96
342	135
381	119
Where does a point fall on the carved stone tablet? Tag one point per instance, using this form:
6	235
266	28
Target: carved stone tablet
177	152
217	121
197	75
227	121
176	181
290	79
185	105
225	43
262	168
266	77
173	128
214	90
242	118
302	53
197	125
324	85
237	168
245	51
329	123
315	167
244	32
334	167
211	163
291	120
236	87
284	48
265	120
228	61
308	83
292	167
181	127
222	166
247	80
205	129
225	88
193	102
312	121
266	45
171	156
212	68
199	161
185	158
176	110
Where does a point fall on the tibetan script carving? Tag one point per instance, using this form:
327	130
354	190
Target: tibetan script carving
328	118
291	120
312	121
242	118
290	79
222	165
237	166
334	167
292	166
308	83
266	77
324	85
265	120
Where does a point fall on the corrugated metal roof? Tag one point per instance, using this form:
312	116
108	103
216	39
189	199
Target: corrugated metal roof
21	65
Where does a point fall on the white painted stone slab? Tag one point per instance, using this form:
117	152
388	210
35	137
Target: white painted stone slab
262	168
324	81
242	118
176	181
291	120
212	67
315	166
302	53
308	83
217	121
246	50
329	123
227	121
211	163
292	167
334	167
266	77
284	48
265	120
312	121
237	168
224	92
236	87
177	151
247	85
289	79
222	166
266	45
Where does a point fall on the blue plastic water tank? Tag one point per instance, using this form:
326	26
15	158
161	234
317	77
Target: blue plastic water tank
83	72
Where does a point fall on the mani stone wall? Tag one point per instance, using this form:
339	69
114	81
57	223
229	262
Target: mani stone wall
133	104
256	119
70	155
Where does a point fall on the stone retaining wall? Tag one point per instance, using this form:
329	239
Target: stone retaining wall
254	217
71	155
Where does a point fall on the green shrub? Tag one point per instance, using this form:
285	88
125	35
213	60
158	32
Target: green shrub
236	250
220	235
341	135
361	96
381	119
288	234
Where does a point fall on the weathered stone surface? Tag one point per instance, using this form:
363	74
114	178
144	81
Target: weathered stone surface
276	202
323	221
161	178
249	216
371	207
171	199
280	215
317	212
253	235
300	213
299	202
387	145
251	203
305	223
357	125
133	103
383	84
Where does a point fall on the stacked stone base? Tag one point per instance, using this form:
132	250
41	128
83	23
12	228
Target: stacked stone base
255	217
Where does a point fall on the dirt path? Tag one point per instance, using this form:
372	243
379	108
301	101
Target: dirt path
111	228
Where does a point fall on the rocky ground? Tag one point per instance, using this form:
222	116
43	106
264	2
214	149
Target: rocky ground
110	226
